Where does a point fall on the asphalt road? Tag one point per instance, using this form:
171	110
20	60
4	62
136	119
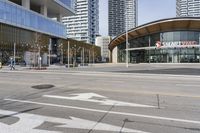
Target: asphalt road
98	102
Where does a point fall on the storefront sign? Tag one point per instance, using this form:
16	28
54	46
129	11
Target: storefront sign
158	44
174	44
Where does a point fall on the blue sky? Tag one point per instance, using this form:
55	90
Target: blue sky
148	10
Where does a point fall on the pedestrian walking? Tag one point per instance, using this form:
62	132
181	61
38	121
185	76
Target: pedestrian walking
12	67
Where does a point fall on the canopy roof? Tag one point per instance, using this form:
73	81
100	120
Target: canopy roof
164	25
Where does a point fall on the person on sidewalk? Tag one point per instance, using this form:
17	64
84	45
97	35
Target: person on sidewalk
12	67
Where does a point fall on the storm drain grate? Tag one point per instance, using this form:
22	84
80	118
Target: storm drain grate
43	86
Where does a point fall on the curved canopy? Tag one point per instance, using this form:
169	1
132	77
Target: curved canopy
171	24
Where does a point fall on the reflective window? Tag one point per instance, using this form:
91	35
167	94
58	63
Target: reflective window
18	16
176	47
69	3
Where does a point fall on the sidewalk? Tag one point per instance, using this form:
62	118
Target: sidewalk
144	68
17	68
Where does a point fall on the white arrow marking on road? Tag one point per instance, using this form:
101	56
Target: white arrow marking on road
87	98
27	123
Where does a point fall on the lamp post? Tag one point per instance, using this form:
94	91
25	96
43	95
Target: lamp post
126	21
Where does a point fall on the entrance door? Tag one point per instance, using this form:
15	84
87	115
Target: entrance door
137	56
175	58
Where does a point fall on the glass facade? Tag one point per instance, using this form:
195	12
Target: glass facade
18	16
31	45
166	47
69	3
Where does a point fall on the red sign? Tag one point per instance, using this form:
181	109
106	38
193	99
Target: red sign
158	44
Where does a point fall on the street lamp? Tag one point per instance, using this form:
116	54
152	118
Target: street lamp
126	21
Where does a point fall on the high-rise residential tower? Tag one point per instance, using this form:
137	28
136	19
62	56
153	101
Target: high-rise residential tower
122	14
84	26
189	8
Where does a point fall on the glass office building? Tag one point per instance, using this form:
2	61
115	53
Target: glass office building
18	16
32	30
175	40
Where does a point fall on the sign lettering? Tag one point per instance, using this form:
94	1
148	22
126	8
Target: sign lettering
176	43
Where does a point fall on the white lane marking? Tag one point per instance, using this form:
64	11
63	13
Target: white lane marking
87	97
111	112
27	123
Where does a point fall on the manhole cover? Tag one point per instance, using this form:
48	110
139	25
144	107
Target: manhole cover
44	86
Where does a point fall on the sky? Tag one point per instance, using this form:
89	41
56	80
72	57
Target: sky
148	10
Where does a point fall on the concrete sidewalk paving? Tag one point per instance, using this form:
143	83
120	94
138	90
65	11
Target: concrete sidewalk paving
145	68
